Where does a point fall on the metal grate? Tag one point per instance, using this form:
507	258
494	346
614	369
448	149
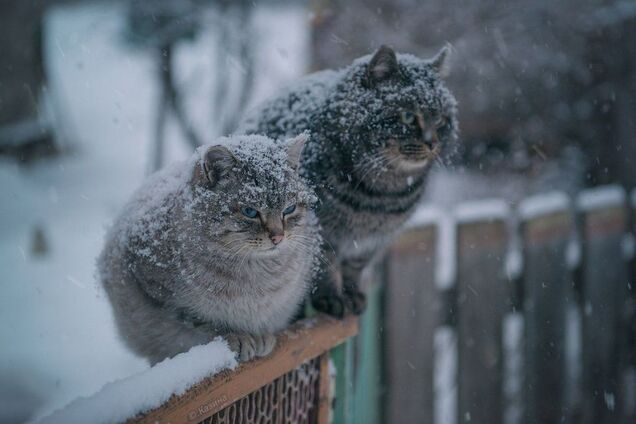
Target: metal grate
292	398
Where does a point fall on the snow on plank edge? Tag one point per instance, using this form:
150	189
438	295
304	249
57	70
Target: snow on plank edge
482	210
445	266
424	215
123	399
600	197
543	204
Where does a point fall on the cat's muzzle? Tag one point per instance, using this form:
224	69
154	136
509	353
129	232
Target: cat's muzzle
416	152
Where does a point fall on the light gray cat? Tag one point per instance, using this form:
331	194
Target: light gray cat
377	126
221	245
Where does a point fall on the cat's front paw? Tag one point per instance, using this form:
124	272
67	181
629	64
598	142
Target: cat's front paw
331	304
356	301
250	346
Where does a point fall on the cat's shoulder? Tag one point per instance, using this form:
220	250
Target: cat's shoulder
290	110
165	183
150	206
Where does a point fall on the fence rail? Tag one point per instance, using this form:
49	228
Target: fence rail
291	385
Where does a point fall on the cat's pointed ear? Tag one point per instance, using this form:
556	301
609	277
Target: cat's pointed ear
215	164
295	148
382	66
441	61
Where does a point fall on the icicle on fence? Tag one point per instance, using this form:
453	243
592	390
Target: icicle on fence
523	315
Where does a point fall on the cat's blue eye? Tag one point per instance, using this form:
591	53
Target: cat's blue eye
249	212
407	117
289	209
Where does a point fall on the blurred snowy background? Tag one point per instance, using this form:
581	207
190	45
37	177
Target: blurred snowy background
57	338
94	95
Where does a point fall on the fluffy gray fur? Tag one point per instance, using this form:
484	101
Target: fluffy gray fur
376	128
183	264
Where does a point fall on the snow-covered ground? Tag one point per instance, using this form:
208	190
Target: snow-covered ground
57	338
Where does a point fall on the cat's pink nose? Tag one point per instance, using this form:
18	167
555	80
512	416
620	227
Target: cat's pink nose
277	238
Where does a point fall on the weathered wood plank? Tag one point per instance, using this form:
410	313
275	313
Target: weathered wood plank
547	291
604	292
324	401
481	298
412	305
303	341
630	376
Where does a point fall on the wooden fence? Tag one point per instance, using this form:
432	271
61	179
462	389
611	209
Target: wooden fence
494	314
488	314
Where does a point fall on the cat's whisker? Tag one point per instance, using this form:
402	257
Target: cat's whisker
312	239
310	249
390	162
243	261
375	162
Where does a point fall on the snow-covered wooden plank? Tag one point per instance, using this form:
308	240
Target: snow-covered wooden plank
546	231
303	341
482	210
601	197
483	294
424	215
414	310
445	253
195	385
604	287
543	204
122	399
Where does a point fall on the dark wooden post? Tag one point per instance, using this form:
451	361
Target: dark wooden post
604	290
481	303
546	230
630	377
412	315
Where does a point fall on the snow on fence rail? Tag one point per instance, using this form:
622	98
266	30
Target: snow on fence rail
205	385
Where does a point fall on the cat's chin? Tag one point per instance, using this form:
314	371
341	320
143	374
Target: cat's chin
267	252
407	164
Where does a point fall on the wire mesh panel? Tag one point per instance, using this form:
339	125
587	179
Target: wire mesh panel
291	398
292	385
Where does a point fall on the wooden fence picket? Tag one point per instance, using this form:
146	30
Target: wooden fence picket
481	303
630	377
605	281
412	315
547	290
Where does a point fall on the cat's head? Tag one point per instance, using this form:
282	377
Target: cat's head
397	109
248	198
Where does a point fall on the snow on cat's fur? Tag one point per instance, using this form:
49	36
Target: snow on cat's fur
376	128
186	261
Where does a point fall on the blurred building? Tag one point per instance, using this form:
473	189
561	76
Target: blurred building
533	78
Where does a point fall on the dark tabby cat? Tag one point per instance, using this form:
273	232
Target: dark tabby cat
376	128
